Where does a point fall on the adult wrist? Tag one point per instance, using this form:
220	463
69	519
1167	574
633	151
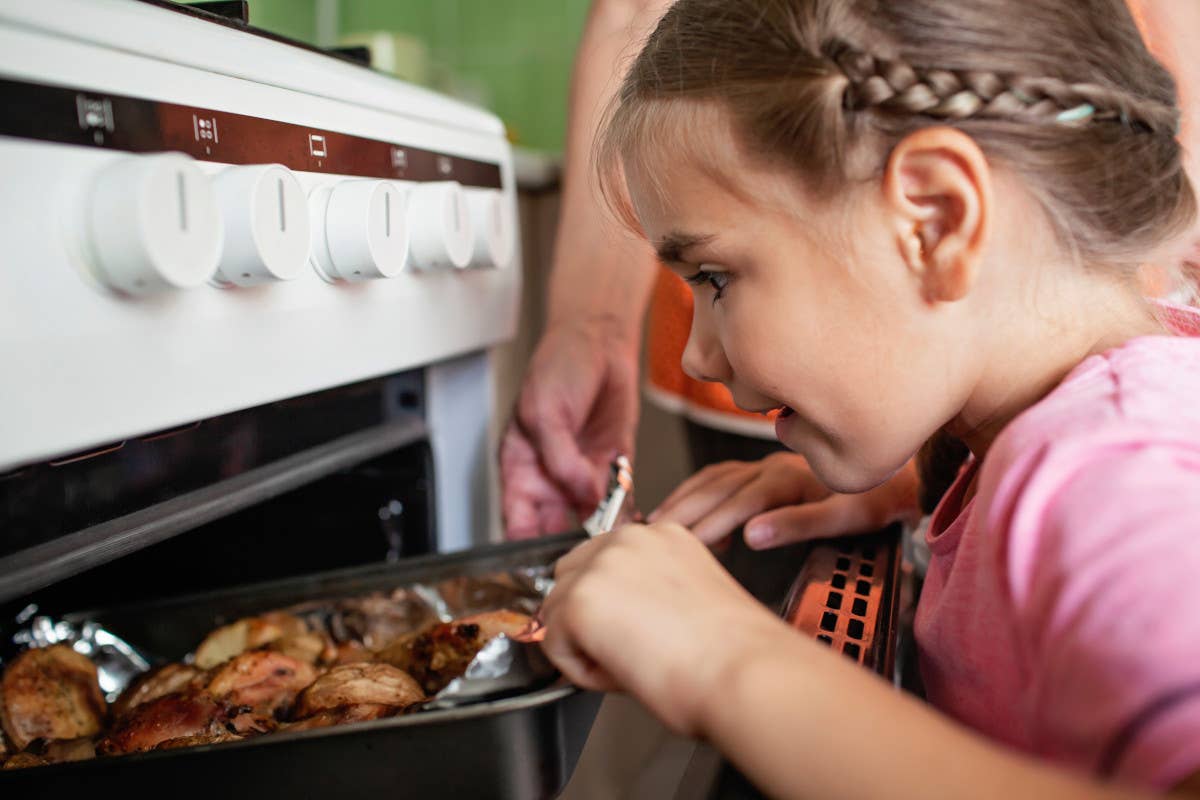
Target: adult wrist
610	327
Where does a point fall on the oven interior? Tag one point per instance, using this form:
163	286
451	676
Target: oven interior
337	479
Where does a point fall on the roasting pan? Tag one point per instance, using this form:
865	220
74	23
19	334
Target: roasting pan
515	747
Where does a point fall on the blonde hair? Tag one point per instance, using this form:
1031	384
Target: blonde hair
1063	93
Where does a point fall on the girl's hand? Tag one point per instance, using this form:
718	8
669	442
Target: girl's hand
648	610
721	497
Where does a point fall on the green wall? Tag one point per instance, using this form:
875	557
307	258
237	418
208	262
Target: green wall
294	18
512	56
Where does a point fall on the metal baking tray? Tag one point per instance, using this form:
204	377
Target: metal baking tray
517	747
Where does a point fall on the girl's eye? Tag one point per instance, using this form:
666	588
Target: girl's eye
717	280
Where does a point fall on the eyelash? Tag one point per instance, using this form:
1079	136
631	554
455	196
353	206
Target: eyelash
717	280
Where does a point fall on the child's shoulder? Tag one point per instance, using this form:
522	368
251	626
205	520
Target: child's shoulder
1148	387
1109	462
1120	433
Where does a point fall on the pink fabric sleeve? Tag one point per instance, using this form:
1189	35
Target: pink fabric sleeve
1104	569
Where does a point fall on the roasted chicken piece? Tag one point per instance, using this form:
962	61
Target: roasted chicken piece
50	693
238	699
343	716
366	684
441	653
493	623
351	653
372	620
474	595
173	716
281	631
263	681
165	680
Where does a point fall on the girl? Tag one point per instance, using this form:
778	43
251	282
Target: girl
902	217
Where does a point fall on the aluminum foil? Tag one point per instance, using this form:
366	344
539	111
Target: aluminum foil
502	667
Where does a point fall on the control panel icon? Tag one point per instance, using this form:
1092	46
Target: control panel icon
95	115
316	145
205	129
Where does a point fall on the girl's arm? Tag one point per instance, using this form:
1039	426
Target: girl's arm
648	610
804	722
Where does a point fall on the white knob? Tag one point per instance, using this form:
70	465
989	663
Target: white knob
494	236
267	234
153	224
440	225
358	230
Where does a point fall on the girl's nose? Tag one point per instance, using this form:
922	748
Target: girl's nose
704	358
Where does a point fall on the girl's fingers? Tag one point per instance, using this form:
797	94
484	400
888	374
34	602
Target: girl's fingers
837	515
576	559
573	663
696	506
695	482
722	520
780	483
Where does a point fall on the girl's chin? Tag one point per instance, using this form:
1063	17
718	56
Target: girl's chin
844	473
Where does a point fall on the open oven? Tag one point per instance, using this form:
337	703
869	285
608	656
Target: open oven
248	295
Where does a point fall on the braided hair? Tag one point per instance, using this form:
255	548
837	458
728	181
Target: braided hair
1065	94
897	87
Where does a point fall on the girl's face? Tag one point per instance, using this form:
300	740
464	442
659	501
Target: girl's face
806	304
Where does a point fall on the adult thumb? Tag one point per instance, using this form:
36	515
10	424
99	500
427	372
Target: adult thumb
837	515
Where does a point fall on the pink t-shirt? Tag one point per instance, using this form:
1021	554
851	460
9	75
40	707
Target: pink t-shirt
1061	610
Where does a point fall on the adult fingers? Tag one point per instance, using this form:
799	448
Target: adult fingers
837	515
531	503
556	443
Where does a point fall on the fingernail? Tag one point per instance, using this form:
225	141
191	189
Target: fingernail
758	536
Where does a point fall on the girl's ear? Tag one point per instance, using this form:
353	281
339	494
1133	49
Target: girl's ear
938	186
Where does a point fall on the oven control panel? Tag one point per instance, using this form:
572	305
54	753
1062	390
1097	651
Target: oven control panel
198	220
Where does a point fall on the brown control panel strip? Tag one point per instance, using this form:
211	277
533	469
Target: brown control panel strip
115	122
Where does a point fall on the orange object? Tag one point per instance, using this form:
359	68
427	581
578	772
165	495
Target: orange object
667	386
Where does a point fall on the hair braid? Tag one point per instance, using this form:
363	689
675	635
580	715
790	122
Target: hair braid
895	86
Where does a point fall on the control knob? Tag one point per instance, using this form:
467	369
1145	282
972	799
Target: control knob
358	230
265	213
493	243
153	224
440	224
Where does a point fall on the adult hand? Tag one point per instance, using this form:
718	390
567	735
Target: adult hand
780	501
647	609
577	409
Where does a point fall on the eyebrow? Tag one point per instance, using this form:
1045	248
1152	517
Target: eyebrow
672	246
